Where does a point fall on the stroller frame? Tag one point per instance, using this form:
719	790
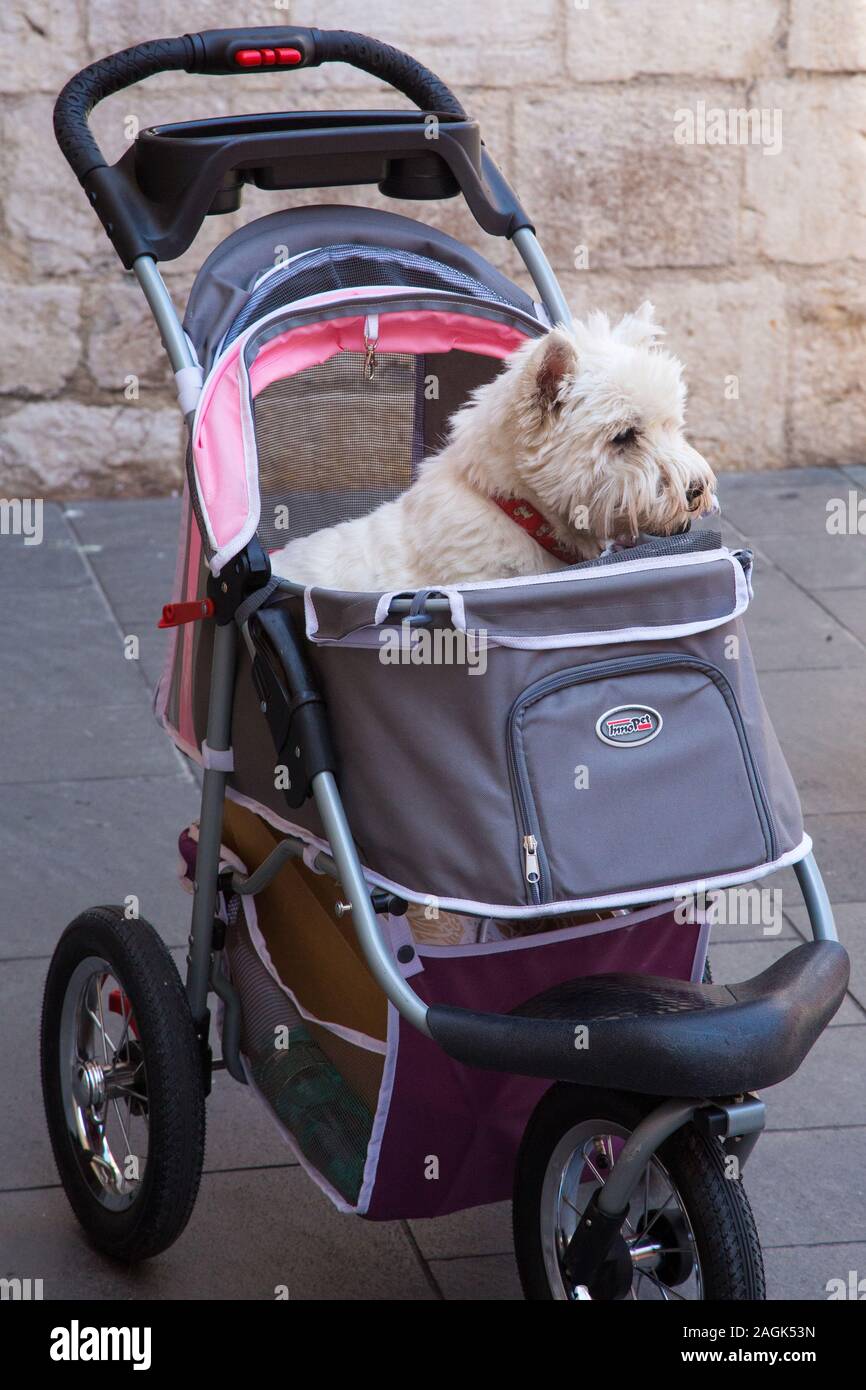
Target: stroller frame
164	232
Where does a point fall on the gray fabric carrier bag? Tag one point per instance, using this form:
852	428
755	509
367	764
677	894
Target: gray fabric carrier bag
586	738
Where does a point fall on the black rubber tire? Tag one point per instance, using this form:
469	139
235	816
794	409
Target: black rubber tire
726	1240
176	1101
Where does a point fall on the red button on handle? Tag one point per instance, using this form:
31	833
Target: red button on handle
268	57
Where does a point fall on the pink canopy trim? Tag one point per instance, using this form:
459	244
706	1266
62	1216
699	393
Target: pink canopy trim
223	441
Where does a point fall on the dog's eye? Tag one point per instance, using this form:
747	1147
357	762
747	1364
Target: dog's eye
624	438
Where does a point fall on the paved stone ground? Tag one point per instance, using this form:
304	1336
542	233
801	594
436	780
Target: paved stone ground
92	801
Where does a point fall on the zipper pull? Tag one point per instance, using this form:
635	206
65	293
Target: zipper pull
530	858
371	342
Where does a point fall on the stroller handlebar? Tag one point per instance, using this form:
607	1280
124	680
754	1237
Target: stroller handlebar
232	52
100	80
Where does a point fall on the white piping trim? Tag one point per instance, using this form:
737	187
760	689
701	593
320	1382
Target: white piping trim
641	895
383	1110
281	265
550	642
509	911
370	637
381	608
311	617
367	637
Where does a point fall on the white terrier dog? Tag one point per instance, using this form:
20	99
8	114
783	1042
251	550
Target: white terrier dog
579	440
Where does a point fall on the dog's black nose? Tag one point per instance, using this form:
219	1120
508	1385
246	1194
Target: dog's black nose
693	492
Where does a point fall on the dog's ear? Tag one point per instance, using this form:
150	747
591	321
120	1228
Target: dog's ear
556	360
639	329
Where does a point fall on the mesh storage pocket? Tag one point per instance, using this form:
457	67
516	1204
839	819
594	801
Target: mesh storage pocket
314	1021
334	443
329	1119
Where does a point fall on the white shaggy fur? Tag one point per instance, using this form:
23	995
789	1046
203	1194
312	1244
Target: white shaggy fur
586	425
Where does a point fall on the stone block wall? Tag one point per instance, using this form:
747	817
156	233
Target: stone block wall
710	156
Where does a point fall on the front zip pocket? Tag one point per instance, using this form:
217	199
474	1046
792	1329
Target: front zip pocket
634	772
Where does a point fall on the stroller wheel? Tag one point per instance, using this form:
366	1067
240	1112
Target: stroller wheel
122	1084
689	1235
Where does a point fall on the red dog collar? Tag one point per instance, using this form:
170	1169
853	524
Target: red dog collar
531	521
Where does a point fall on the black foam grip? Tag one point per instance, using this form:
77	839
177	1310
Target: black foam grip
403	72
100	80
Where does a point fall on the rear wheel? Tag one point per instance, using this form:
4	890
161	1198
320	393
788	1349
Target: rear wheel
689	1234
122	1084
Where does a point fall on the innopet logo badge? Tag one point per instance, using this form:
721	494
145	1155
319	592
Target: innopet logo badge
627	726
77	1343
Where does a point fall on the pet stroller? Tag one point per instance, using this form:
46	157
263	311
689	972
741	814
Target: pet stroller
449	909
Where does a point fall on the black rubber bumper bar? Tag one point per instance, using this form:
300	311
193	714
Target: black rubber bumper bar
154	199
658	1036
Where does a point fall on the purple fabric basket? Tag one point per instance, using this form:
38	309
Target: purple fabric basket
470	1121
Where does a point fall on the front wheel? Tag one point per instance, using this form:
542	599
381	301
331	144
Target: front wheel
689	1234
122	1084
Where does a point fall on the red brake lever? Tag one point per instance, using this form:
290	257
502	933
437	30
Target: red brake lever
174	614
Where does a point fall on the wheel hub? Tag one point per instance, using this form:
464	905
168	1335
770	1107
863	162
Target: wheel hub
88	1086
667	1250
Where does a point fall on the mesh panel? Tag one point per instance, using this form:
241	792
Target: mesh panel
658	545
328	1121
334	444
348	266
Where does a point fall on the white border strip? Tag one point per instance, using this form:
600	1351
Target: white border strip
370	637
383	1111
509	912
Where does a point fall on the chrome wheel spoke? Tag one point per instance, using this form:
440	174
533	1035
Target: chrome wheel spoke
127	1093
671	1197
102	1033
122	1041
663	1289
658	1252
592	1168
116	1105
